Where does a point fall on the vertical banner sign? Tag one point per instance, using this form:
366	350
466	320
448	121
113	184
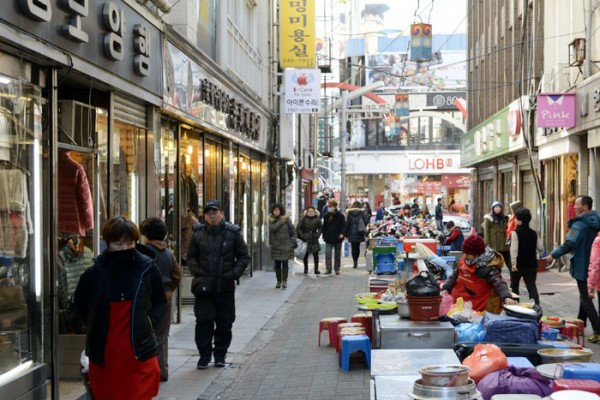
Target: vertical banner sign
402	109
302	91
297	34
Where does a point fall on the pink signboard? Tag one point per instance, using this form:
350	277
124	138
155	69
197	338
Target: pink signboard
556	110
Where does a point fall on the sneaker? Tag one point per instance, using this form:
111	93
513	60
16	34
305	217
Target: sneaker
203	362
337	272
317	273
219	362
594	338
327	272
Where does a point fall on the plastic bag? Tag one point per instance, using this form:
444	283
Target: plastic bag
447	301
470	332
436	270
514	380
486	358
300	249
423	284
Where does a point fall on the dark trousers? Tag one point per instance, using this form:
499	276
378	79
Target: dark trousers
355	246
337	257
586	306
529	276
214	319
162	340
315	258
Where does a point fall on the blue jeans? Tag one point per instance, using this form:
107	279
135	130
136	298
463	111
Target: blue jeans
329	247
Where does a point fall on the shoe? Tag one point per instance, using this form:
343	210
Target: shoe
284	285
327	272
278	285
594	338
337	272
203	362
317	273
164	378
219	362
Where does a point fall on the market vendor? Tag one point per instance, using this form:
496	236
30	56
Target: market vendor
478	278
455	237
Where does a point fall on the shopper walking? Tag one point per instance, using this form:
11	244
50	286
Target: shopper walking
333	235
309	230
368	212
355	229
121	299
154	232
380	212
582	232
439	214
525	244
494	232
217	257
282	238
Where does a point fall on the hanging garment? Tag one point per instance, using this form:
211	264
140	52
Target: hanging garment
75	202
15	218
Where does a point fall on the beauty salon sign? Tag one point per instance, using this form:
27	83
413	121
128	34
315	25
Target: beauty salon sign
556	110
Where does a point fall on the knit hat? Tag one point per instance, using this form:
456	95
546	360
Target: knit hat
497	203
474	245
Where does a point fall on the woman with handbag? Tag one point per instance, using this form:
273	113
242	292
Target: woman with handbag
282	238
309	230
355	230
121	298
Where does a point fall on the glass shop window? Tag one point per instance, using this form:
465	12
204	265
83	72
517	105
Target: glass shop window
81	199
126	160
21	225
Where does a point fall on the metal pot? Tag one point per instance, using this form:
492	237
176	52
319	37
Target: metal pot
550	356
403	309
445	375
465	392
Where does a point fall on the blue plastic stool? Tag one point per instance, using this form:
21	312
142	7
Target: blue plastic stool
353	343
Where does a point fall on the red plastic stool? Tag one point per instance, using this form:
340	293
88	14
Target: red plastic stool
367	320
330	324
574	329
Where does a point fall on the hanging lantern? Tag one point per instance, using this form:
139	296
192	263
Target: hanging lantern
402	109
420	42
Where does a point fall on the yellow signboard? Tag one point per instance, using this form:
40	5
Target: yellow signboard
297	34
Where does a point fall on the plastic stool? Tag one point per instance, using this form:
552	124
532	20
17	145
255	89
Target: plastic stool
574	332
353	343
330	324
351	331
367	320
580	329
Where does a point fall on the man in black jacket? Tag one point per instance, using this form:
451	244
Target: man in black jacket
217	256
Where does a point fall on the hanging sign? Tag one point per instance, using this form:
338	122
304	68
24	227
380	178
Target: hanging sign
420	42
302	91
556	110
297	34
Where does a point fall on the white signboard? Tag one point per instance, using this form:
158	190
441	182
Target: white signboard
302	91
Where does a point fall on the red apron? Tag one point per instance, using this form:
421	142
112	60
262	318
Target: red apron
471	287
123	377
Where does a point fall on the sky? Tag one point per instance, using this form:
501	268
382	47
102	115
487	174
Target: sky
445	17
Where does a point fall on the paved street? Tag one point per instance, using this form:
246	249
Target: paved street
274	354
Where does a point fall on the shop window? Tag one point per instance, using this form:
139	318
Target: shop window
21	225
125	170
167	177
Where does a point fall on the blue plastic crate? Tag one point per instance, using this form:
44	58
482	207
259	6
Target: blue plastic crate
385	269
384	259
387	241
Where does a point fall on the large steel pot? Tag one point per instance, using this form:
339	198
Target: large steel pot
551	355
466	392
445	375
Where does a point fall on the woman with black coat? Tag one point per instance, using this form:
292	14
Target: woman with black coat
121	298
309	230
333	235
355	229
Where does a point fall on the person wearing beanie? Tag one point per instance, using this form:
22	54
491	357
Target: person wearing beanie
495	225
478	278
455	237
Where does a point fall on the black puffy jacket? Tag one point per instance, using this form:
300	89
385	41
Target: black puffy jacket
141	282
210	245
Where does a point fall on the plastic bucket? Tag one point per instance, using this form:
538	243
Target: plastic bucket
425	308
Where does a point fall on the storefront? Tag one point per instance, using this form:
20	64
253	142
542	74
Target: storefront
214	143
424	175
79	89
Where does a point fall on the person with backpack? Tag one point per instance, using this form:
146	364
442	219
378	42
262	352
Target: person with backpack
154	232
309	230
282	238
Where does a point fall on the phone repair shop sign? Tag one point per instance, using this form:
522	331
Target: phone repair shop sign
302	91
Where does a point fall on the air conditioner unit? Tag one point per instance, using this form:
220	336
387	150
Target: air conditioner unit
77	123
576	52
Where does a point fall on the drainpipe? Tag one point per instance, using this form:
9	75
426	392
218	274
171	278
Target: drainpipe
587	67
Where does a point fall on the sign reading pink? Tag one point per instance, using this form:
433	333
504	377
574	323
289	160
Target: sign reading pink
556	110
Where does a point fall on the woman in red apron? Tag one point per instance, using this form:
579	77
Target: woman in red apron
121	298
478	278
